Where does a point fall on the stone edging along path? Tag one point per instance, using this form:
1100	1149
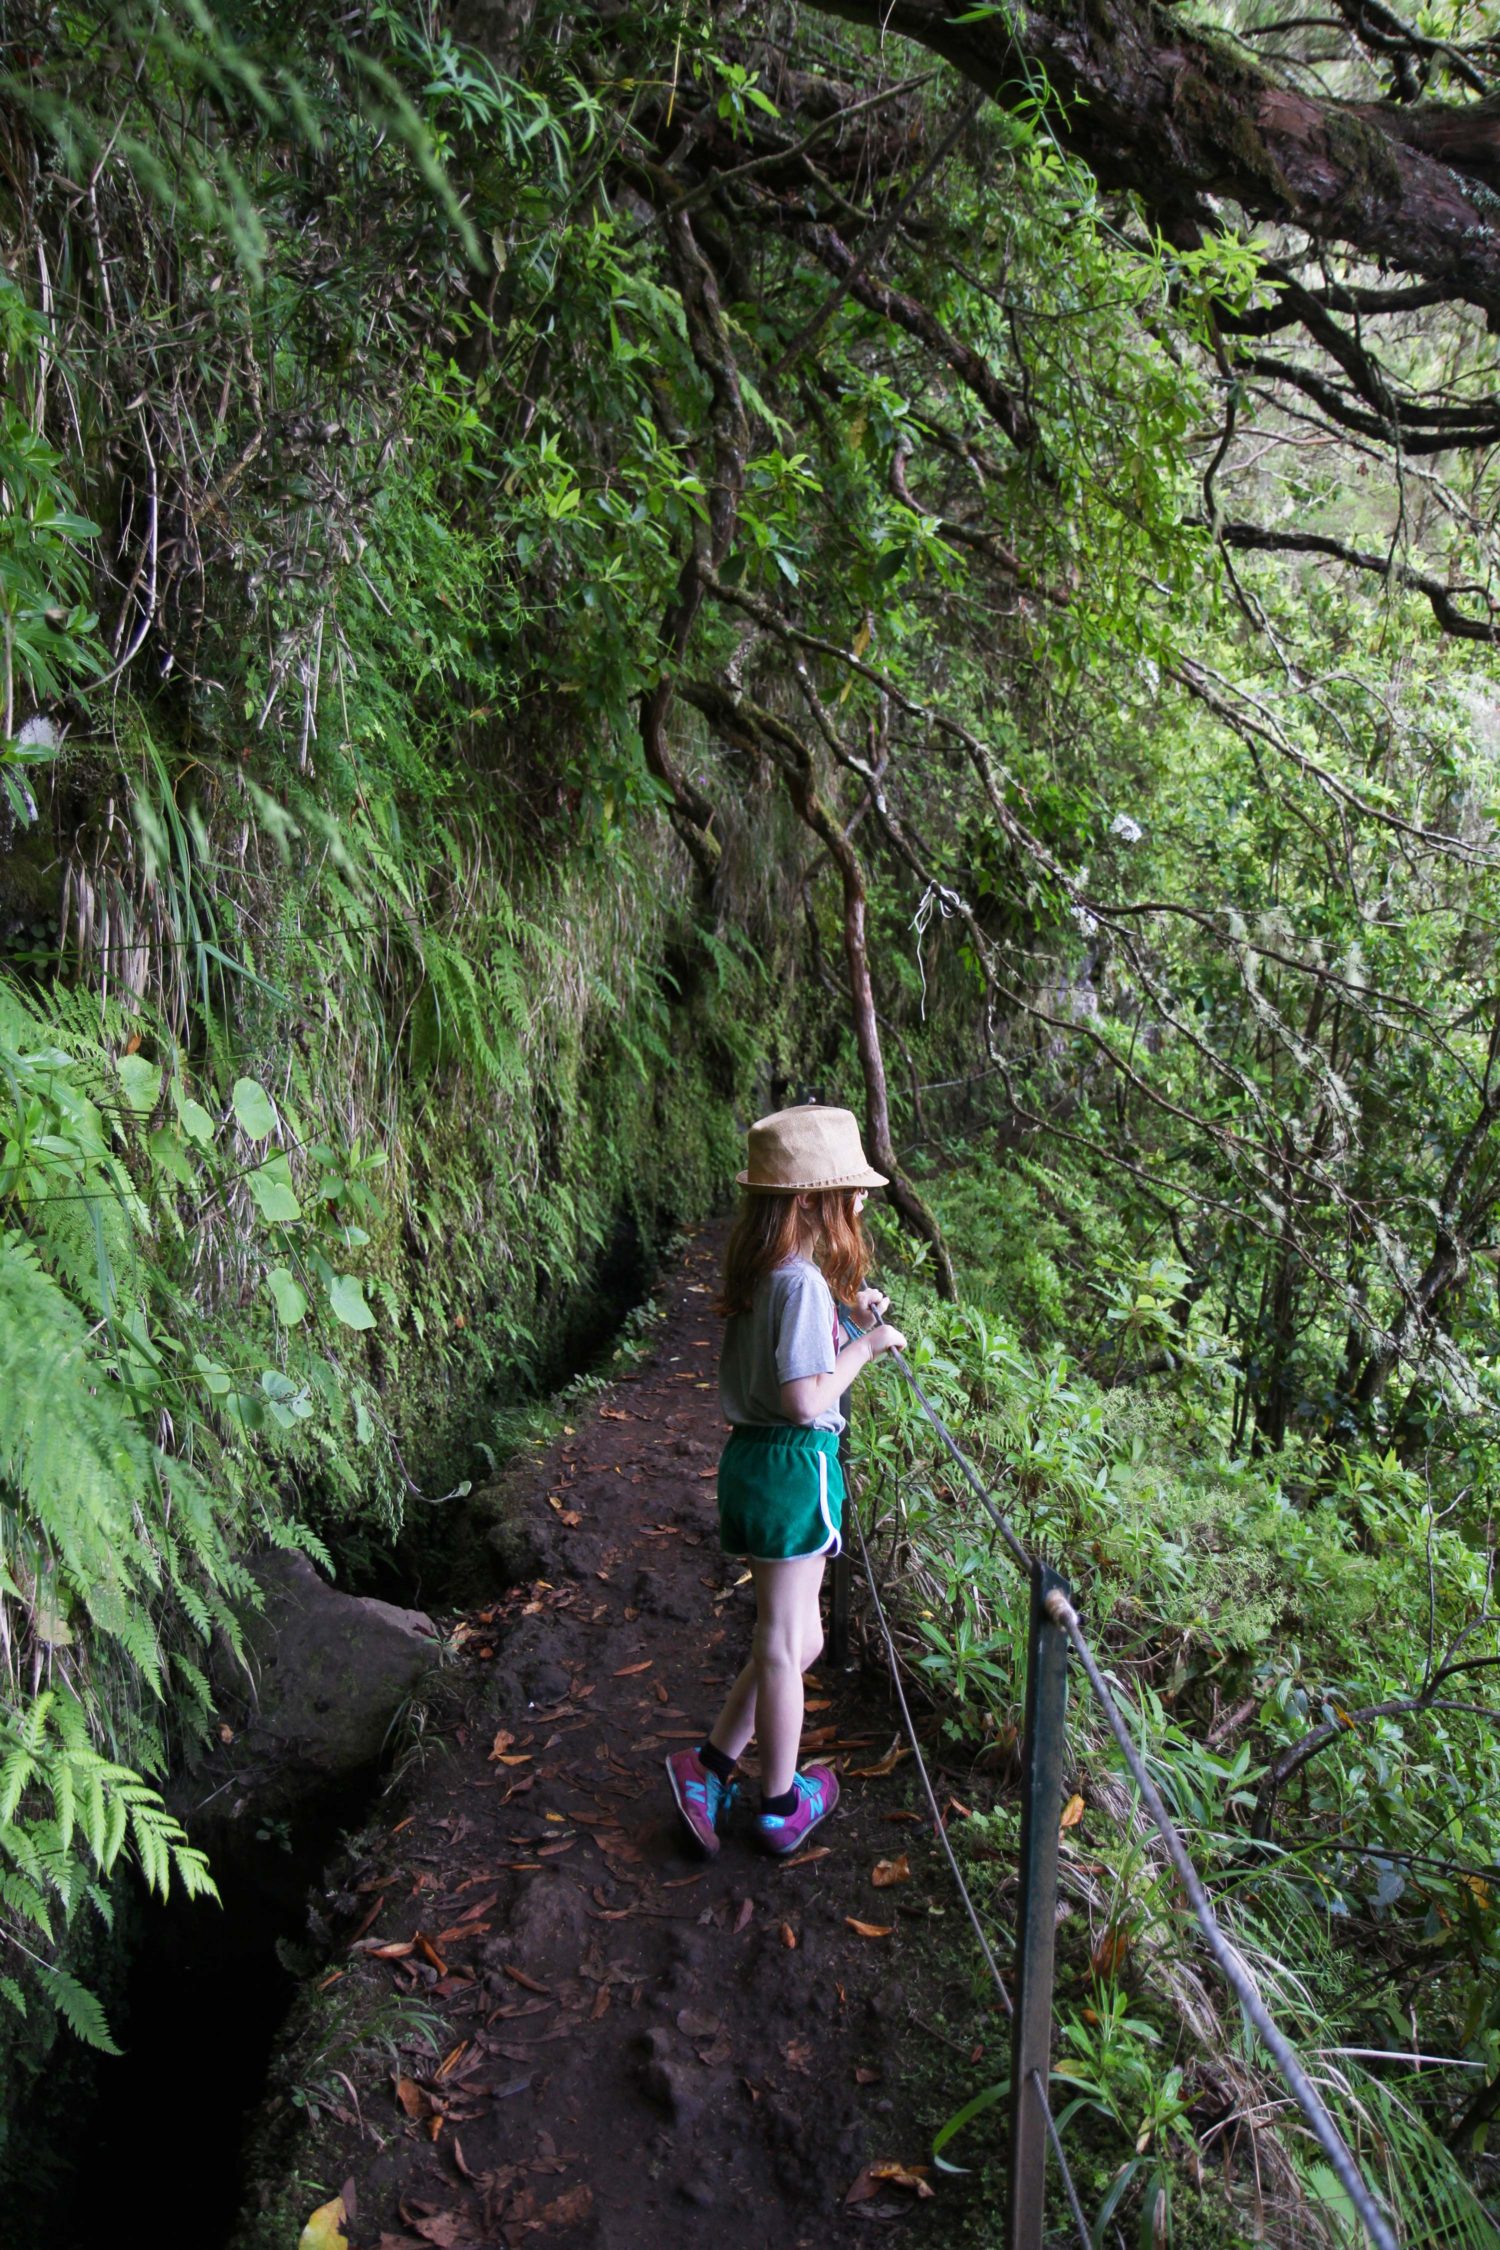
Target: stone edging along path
543	2019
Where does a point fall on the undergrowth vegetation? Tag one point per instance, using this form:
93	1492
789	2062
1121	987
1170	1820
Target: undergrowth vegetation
1260	1617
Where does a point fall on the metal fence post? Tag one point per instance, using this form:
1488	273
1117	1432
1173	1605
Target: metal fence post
1036	1915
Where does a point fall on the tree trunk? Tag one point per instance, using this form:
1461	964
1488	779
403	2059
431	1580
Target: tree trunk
743	723
872	1064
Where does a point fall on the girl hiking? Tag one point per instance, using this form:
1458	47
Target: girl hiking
797	1247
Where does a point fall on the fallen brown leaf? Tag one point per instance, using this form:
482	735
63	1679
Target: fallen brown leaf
745	1915
865	2076
788	1937
1072	1812
445	2230
566	2210
1110	1949
805	1859
912	2176
885	1872
473	1913
519	1976
628	1671
887	1764
376	1904
869	1929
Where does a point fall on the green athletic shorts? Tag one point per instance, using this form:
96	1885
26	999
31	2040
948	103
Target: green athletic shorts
781	1492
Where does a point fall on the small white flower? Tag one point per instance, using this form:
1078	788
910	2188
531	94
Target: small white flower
38	734
1129	831
1087	922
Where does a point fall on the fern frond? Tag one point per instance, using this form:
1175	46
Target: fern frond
78	2008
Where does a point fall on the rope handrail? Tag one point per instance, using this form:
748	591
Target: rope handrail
1242	1983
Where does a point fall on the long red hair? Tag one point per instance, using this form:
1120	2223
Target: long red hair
822	1225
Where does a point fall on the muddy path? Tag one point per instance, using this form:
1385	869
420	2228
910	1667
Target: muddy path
543	2018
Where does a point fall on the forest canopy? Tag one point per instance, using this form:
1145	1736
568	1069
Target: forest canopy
566	573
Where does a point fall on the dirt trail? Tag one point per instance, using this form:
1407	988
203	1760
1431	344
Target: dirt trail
637	2046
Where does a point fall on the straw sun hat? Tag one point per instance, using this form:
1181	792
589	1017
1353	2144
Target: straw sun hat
800	1150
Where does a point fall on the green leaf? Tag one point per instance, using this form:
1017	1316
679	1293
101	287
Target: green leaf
346	1294
193	1118
960	2118
254	1109
140	1082
216	1379
168	1155
78	2008
289	1402
287	1294
271	1187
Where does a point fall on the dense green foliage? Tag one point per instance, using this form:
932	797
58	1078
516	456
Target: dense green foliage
522	646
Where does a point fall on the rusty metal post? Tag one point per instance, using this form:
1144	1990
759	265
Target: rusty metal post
1036	1915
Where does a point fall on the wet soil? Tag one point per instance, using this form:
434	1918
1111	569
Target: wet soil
543	2017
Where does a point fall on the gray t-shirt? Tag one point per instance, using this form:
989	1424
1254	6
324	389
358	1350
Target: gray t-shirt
790	1331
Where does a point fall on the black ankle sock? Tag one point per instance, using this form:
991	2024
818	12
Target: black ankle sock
716	1761
782	1805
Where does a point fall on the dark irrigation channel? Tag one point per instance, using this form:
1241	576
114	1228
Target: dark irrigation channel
196	1993
162	2125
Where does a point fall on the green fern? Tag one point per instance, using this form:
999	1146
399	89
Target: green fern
78	2008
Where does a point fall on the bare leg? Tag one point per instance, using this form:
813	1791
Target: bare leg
766	1699
735	1725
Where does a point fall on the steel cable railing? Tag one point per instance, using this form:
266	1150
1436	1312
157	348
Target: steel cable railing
938	1823
1063	1617
941	1831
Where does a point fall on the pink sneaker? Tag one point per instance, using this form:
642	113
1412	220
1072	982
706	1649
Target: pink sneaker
702	1798
817	1794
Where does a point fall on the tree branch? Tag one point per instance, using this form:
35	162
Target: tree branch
1175	113
1258	538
